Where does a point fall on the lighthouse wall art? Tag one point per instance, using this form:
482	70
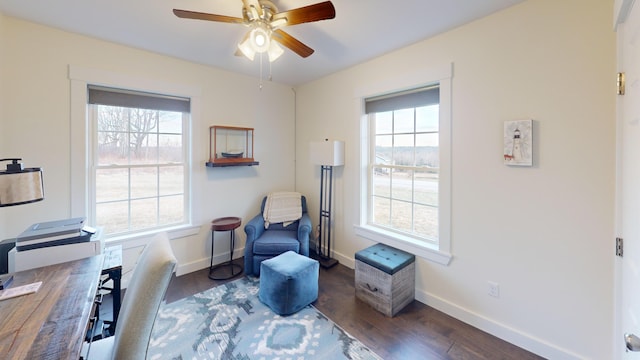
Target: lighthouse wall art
518	142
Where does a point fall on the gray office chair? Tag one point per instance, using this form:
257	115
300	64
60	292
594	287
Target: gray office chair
140	306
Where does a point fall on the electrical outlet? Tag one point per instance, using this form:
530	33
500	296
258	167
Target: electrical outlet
494	289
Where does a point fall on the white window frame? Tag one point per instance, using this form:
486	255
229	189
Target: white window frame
440	251
81	133
95	166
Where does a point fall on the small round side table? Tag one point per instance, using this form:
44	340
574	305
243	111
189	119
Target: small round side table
227	268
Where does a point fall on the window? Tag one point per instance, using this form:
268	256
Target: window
404	162
138	160
406	168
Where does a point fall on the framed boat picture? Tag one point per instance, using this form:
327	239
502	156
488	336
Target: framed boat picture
230	146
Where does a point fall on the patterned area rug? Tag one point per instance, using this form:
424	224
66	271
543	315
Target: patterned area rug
230	322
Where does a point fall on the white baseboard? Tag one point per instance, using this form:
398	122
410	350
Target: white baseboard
193	266
203	263
528	342
347	261
499	330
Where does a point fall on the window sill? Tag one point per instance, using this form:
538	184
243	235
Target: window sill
142	237
424	250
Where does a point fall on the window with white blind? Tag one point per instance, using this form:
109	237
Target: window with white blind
138	160
406	197
404	162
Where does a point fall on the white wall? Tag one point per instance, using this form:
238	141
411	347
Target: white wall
36	126
2	69
3	149
543	233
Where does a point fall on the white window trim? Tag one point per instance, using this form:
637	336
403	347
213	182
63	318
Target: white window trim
80	77
411	245
440	253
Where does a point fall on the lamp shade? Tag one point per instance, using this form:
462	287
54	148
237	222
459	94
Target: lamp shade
246	49
327	152
274	51
20	186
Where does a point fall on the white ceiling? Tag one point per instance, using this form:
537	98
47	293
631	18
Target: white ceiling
362	29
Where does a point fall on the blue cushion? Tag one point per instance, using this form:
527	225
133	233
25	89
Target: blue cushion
275	242
288	282
385	258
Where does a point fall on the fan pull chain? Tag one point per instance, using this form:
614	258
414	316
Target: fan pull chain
260	71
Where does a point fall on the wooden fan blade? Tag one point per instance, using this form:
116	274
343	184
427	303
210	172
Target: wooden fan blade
186	14
305	14
292	43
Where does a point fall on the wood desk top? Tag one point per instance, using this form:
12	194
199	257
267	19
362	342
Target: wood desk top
51	323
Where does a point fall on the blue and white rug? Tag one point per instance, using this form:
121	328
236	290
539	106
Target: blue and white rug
230	322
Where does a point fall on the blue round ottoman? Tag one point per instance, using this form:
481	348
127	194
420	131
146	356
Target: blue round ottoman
288	282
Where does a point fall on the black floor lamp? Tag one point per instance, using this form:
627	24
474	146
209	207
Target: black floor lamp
327	154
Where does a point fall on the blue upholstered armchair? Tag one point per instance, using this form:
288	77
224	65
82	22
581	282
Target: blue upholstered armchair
263	244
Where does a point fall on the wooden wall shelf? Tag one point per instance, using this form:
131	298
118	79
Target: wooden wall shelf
246	163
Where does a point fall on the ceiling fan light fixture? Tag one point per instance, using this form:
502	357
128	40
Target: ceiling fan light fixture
275	51
260	39
263	19
246	49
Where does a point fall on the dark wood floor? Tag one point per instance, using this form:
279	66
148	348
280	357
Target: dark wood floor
417	332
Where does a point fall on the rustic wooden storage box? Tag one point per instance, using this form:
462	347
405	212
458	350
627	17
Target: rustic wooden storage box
385	278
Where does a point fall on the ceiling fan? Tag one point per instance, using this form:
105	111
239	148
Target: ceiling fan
265	23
